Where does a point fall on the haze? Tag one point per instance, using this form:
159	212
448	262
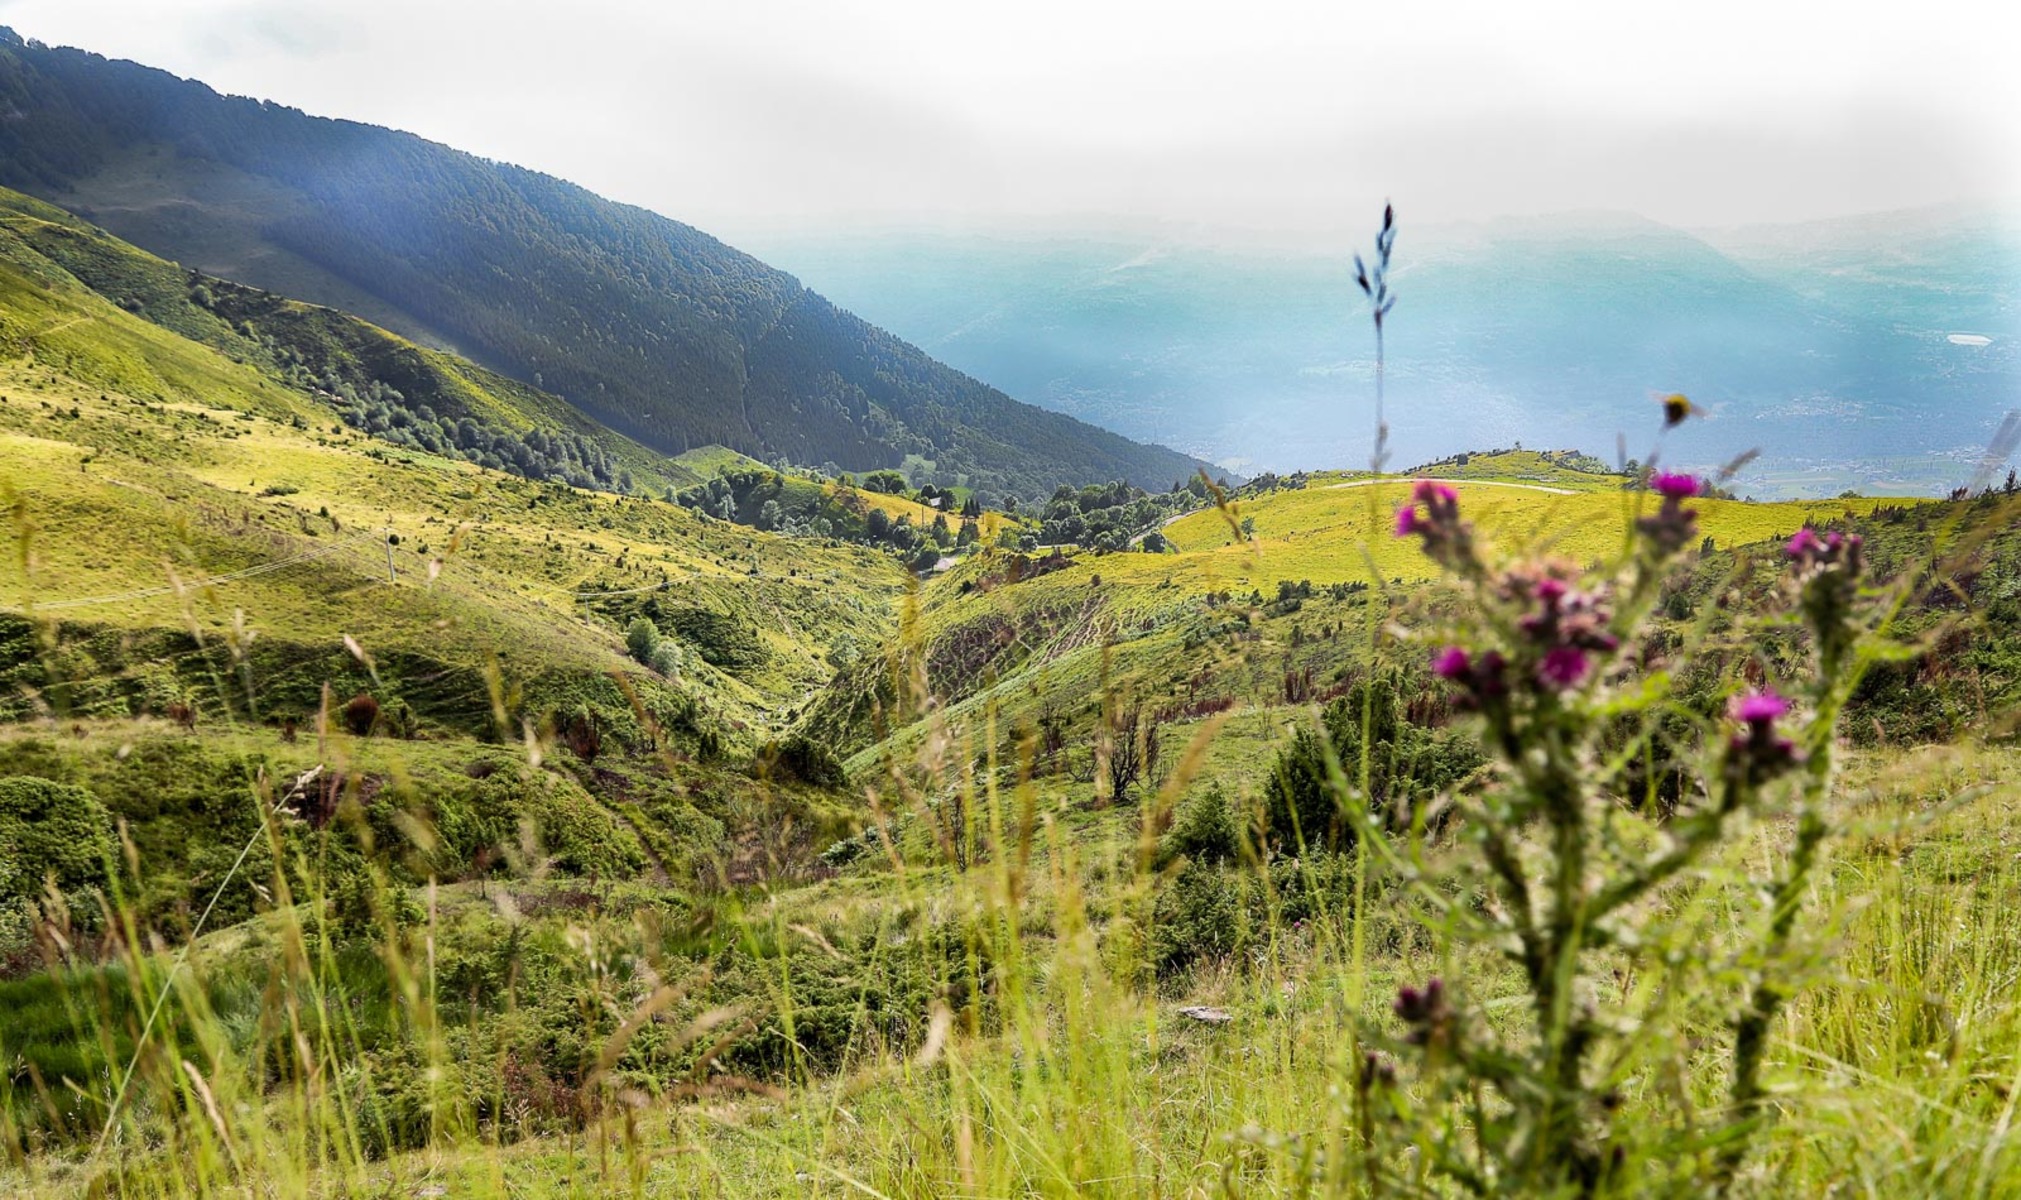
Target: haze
771	114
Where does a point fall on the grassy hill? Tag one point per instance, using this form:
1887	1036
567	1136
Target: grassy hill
608	844
377	381
198	538
649	326
1248	609
999	928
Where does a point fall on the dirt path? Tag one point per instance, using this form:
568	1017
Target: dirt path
1528	487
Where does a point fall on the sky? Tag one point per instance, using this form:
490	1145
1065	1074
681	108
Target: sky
753	116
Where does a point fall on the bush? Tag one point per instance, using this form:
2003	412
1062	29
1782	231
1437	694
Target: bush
361	714
723	638
642	637
1218	911
666	659
800	758
1202	913
1204	831
580	835
1408	766
49	828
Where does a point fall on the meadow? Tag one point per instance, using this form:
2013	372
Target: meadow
612	847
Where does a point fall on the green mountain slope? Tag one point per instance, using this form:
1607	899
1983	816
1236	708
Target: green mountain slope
379	382
654	328
183	510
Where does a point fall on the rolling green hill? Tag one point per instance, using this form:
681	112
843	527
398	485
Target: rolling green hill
651	327
378	382
411	786
1244	611
140	460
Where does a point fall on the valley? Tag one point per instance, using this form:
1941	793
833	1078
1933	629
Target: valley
504	695
786	830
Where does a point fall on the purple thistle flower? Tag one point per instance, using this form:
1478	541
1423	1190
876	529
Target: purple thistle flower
1488	674
1433	514
1674	487
1451	663
1757	753
1757	708
1804	544
1563	667
1417	1006
1426	1011
1670	528
1433	494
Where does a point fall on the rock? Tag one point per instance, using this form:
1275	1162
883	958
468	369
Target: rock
1206	1015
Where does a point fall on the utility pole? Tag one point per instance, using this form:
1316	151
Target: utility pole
390	578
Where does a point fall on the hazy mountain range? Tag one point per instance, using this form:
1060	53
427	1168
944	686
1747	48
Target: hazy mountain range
650	326
1876	353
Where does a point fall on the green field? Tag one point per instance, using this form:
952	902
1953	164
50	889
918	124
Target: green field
608	847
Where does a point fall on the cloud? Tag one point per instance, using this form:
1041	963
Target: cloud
1276	114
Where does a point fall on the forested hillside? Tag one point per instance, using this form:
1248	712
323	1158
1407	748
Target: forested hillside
652	327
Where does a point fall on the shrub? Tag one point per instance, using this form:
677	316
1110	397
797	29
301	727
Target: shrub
1204	830
1202	913
579	835
50	829
1408	766
801	758
666	659
723	638
360	714
642	637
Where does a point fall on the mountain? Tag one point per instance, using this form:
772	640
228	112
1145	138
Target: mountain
334	862
651	327
1829	347
196	469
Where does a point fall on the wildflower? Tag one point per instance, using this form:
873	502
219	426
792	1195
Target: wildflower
1563	667
1451	663
1674	486
1426	1011
1804	545
1757	708
1481	677
1834	549
1757	753
1566	627
1439	524
1828	571
1671	527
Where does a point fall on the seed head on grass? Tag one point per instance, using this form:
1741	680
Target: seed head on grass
1374	284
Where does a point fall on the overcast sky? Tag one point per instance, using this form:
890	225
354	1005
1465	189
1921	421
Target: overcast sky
744	116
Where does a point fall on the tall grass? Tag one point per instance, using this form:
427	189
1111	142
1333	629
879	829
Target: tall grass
1046	1055
1020	982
